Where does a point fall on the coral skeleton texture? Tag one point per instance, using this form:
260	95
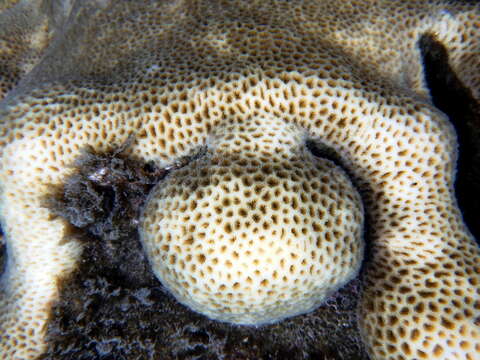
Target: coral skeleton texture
255	228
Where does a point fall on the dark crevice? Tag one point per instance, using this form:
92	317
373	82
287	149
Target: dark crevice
451	96
323	151
3	253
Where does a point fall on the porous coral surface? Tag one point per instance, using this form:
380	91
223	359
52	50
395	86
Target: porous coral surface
25	32
242	234
348	75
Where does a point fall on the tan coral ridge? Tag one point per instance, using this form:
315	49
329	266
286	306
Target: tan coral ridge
178	75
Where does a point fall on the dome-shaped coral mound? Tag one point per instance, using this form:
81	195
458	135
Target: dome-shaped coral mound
256	230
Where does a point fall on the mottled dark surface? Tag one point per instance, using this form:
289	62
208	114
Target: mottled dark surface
104	197
113	307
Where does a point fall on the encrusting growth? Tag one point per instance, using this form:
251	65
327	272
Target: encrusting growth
256	229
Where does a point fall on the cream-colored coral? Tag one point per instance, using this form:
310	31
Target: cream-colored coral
178	75
256	230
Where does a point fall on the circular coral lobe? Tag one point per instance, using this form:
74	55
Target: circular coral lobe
253	240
